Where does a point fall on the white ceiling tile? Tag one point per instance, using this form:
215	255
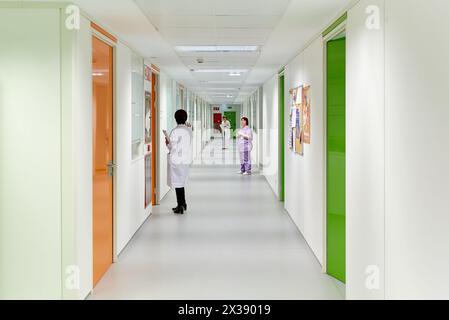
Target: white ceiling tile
250	21
189	32
183	21
220	55
244	33
176	7
250	7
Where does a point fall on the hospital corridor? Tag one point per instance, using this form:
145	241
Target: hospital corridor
268	151
236	242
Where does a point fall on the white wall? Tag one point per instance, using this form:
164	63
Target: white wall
304	175
30	154
365	153
130	174
270	133
82	159
417	149
397	153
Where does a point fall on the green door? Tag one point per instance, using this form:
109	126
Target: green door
336	158
232	117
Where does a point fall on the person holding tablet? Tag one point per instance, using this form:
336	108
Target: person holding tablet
179	142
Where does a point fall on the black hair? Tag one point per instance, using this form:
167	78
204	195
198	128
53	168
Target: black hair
246	120
181	116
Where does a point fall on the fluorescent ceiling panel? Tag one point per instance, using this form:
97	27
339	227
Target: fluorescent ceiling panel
222	89
221	70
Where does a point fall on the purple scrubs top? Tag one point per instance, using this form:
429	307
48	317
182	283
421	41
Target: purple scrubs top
245	144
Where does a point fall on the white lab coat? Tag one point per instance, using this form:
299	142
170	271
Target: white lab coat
226	132
180	156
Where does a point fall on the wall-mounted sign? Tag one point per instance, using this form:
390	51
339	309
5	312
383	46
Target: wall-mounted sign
295	137
306	103
300	116
147	73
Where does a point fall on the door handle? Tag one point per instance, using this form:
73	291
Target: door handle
111	167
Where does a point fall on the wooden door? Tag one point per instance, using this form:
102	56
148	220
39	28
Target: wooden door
102	78
154	135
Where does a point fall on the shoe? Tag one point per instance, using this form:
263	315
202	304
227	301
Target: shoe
240	172
247	173
179	210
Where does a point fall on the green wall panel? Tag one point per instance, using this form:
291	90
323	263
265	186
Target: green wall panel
232	117
336	156
30	153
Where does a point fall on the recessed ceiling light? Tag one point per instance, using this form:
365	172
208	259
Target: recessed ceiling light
225	82
222	89
216	48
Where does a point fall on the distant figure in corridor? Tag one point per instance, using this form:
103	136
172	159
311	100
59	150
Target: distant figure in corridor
180	159
245	146
226	132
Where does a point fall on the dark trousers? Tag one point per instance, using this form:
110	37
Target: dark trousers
181	196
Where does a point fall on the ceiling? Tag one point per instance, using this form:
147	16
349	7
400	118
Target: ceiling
154	28
216	23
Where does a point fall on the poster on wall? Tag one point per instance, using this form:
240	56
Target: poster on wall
306	105
147	73
296	121
292	125
147	117
298	132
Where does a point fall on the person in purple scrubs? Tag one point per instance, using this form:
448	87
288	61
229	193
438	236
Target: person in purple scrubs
245	145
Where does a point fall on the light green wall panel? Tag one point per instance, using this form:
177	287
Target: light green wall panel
30	154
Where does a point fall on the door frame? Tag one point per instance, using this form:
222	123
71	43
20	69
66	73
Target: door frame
155	126
281	135
337	29
111	41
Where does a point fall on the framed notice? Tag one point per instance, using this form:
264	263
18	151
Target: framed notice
147	73
295	139
306	104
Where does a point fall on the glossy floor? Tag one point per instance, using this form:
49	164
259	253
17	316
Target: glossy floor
235	242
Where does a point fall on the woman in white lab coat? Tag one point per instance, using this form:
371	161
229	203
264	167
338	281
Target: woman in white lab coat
226	132
179	159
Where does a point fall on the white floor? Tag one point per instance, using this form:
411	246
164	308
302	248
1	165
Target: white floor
235	242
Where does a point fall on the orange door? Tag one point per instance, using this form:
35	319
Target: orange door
154	135
102	157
